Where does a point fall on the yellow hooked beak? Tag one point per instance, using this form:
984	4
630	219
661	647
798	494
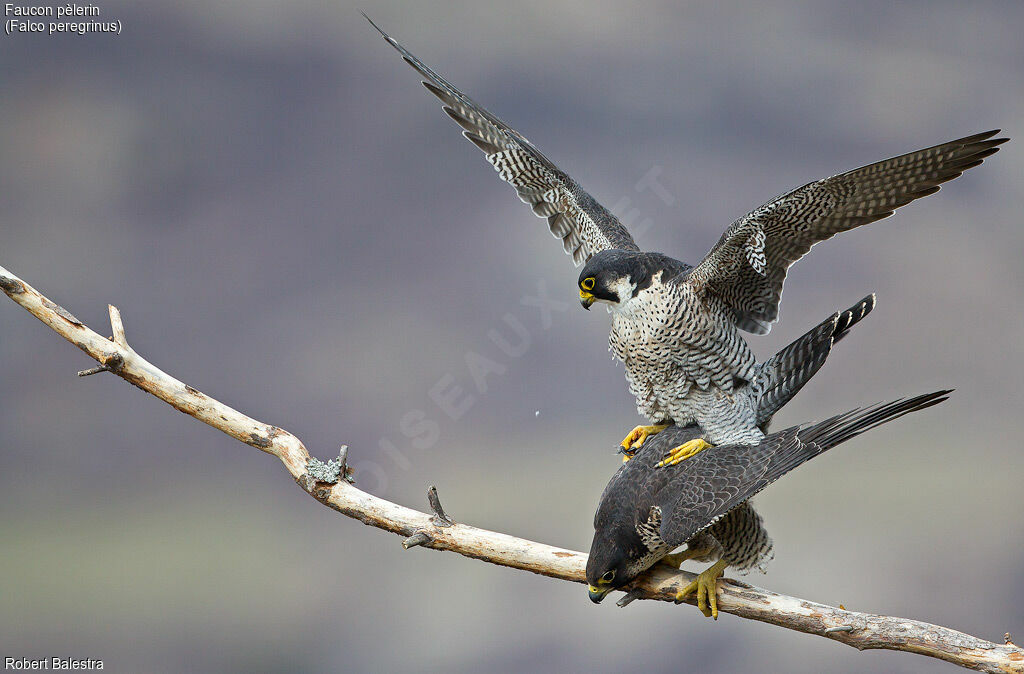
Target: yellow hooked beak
586	299
598	593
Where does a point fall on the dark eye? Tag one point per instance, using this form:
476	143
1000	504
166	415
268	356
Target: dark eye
609	576
588	283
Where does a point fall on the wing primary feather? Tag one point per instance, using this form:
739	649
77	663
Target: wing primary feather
794	222
793	447
591	227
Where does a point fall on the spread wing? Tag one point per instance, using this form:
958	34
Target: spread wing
748	265
722	478
584	226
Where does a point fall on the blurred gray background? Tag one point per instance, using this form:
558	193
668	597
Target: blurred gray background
288	222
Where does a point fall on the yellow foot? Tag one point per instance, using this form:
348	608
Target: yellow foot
676	560
683	452
637	436
706	587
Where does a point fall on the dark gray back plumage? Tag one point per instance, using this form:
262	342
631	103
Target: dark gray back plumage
692	495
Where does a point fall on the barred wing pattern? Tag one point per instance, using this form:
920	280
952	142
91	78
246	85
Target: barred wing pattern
584	226
784	374
737	473
722	478
747	267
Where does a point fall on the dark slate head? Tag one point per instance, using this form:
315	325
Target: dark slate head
611	276
627	507
615	555
616	276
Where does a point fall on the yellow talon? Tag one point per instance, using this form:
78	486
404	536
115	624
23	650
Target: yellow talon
676	560
637	436
683	452
706	587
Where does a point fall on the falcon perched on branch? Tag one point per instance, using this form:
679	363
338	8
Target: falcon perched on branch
675	326
778	380
645	513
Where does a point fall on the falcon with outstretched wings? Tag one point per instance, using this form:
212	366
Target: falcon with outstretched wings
677	327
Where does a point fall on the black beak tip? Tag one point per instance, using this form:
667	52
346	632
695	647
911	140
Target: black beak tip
585	304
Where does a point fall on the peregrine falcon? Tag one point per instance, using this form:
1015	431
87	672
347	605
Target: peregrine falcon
675	326
779	378
645	513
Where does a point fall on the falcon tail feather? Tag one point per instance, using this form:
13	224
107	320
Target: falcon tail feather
810	441
784	374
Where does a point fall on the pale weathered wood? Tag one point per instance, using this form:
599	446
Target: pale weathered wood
439	532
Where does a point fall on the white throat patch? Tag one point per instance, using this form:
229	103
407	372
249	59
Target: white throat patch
624	289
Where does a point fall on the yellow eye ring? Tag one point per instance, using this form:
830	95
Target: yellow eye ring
588	283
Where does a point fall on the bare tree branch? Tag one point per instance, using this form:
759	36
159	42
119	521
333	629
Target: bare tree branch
329	484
